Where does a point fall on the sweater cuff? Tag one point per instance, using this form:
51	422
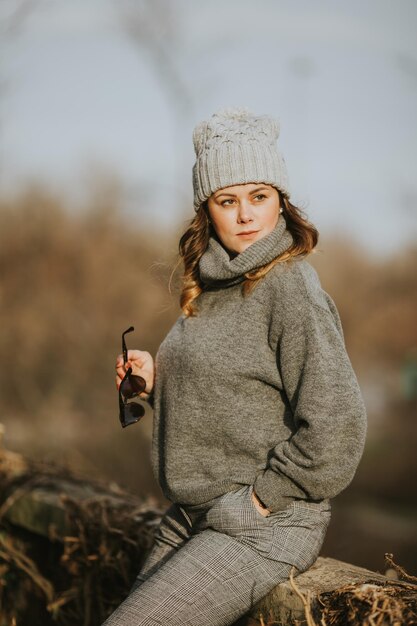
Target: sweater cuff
276	491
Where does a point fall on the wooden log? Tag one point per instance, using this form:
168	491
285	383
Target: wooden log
283	604
42	509
39	502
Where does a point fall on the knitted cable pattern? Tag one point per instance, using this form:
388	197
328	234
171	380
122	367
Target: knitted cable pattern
236	125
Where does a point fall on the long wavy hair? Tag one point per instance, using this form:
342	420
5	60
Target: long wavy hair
193	243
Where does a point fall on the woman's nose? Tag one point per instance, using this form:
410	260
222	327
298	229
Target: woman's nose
245	212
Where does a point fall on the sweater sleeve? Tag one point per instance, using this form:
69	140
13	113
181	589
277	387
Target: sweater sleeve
329	417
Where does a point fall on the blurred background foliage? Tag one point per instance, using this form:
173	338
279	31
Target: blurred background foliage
72	280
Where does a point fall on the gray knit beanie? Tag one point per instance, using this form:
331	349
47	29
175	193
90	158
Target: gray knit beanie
235	147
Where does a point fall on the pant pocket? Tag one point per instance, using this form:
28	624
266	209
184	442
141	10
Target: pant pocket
299	536
235	515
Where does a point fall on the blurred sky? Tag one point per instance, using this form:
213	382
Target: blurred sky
81	94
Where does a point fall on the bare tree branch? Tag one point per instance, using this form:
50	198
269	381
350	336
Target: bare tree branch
153	25
12	21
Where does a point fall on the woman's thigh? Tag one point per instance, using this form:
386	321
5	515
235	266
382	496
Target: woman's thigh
211	580
293	535
234	557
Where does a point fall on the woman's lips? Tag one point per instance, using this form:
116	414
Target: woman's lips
248	234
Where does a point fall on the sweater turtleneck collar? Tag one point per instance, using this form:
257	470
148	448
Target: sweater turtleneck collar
217	267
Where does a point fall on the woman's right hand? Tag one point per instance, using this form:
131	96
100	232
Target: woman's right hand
142	364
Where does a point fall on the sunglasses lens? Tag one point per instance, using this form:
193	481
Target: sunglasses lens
138	383
132	385
131	414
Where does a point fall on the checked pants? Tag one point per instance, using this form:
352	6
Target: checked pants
211	563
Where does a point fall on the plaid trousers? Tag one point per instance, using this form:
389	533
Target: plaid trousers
211	563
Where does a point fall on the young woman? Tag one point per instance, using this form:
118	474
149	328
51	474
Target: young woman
258	416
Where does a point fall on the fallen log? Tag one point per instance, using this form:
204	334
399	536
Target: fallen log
70	550
326	593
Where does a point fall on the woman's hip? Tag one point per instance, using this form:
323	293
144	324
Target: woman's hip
293	535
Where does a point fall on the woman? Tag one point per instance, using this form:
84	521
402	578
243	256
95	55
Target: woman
258	416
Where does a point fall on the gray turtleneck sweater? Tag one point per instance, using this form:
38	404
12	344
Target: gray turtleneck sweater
256	389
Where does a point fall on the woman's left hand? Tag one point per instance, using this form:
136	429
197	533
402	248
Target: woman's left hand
262	510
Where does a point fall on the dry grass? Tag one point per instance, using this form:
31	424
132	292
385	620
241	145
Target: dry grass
76	577
367	604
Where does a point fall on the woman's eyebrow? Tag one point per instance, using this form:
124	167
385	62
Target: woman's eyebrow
234	195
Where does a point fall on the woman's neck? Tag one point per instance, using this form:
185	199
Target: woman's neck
219	265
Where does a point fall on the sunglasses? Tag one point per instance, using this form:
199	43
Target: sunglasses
130	387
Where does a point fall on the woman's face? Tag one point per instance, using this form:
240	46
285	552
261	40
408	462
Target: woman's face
242	214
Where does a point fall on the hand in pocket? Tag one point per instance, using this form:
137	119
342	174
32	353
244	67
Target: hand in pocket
261	510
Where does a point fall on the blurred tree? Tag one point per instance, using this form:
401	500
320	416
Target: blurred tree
13	15
70	283
154	27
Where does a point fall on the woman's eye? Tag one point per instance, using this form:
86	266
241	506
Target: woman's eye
260	195
224	201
